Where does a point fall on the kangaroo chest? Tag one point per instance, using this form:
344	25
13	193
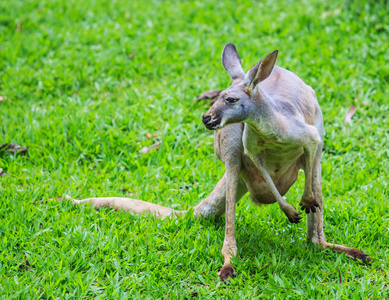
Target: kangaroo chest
259	190
282	162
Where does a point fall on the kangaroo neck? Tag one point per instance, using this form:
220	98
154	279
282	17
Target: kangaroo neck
263	117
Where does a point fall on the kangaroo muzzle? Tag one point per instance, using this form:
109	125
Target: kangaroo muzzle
210	122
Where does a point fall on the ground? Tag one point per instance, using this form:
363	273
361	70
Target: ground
85	85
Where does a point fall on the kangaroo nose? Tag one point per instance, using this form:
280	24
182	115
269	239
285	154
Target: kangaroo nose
206	119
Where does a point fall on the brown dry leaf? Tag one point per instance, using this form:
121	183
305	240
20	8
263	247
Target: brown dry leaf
26	266
13	149
18	26
145	150
58	199
208	95
350	114
340	277
129	193
148	135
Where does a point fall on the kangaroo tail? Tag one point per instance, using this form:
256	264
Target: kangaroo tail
212	206
130	205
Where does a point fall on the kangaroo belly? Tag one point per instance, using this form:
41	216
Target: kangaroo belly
259	190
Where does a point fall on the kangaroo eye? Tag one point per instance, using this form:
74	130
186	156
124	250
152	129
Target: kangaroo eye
231	100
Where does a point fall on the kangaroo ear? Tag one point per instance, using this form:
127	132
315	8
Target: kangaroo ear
261	70
231	62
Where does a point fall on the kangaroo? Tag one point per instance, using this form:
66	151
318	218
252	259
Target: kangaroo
268	125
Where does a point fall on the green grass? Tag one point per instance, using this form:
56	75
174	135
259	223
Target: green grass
83	108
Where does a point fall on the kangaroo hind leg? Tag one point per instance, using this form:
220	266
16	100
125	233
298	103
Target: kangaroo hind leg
315	219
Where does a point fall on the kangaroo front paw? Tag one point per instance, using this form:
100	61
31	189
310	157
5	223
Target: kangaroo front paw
226	272
309	204
292	214
295	218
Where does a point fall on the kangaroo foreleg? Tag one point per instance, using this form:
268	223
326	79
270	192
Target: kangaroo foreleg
290	211
215	204
233	167
311	140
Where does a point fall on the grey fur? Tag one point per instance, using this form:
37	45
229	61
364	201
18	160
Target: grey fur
269	125
231	62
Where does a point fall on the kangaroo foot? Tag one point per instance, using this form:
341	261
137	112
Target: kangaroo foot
358	254
226	272
350	252
309	204
292	214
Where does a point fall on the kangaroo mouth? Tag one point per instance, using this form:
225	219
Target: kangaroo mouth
213	125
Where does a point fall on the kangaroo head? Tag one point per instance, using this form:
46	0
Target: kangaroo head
235	104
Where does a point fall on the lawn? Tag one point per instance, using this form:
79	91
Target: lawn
85	85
